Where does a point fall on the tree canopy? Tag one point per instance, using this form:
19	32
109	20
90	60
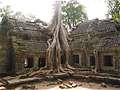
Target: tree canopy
114	9
5	11
73	13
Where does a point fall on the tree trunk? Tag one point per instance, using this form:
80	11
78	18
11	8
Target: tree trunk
59	44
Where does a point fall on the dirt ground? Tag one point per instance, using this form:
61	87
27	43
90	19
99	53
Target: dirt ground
52	85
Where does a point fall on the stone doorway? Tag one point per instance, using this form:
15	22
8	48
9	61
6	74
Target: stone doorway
76	61
108	60
29	62
41	62
92	60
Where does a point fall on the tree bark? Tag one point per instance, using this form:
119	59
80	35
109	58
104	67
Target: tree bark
58	46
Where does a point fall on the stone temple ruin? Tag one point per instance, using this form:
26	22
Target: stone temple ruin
23	45
94	44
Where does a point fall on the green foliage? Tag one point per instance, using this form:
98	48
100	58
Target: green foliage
114	9
73	13
5	11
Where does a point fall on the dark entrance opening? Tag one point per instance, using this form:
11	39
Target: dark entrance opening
62	59
29	62
41	62
92	60
76	60
108	60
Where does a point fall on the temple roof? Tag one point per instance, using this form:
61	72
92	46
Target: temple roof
109	42
99	26
98	34
18	25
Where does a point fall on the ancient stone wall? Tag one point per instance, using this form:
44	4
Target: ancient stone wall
97	36
23	41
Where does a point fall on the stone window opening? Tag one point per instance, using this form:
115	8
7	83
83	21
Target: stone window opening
29	62
76	60
92	60
108	60
41	62
26	37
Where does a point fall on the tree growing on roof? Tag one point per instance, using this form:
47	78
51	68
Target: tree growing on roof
73	13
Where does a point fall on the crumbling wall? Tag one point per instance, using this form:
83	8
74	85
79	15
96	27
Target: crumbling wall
7	52
19	41
2	54
97	38
29	41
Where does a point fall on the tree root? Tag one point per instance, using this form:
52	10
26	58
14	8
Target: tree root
62	70
44	68
70	67
59	70
39	72
49	72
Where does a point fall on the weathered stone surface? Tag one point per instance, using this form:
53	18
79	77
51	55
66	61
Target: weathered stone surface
74	85
103	85
28	87
97	37
59	81
22	39
62	86
25	38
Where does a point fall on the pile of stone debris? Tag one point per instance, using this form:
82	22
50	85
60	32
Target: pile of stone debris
66	85
72	84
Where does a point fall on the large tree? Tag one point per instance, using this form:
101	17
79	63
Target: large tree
114	9
57	46
73	13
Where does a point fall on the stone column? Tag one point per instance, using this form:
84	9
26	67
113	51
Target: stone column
117	62
36	60
80	62
119	65
98	62
89	61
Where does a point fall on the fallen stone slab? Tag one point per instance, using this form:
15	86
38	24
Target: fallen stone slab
28	87
62	86
59	81
103	85
74	85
